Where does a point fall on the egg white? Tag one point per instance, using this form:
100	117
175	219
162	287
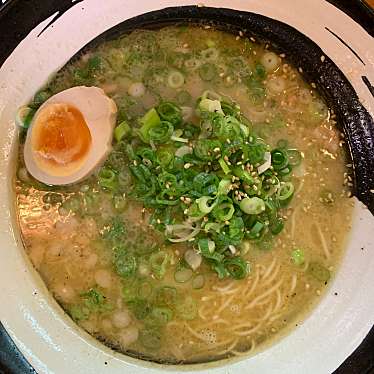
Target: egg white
99	112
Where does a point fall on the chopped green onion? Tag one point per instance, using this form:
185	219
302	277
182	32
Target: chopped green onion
205	149
165	156
236	267
252	205
139	307
213	226
182	232
276	226
260	70
279	159
125	263
129	292
149	120
190	188
255	231
170	112
175	79
285	191
81	76
204	207
319	272
159	262
161	133
95	301
224	166
122	130
107	178
166	296
245	130
124	179
39	98
182	151
285	171
207	72
224	187
176	138
79	312
94	63
206	246
161	315
24	116
212	106
223	212
298	257
244	175
205	183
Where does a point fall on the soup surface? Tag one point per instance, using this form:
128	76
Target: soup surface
218	218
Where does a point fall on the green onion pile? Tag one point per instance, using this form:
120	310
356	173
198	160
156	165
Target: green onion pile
212	185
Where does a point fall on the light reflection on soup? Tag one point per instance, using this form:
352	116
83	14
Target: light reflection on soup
78	236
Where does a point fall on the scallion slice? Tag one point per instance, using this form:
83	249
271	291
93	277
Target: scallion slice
175	79
122	130
252	205
285	191
207	72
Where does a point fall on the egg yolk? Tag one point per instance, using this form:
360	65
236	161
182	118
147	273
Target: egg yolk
61	137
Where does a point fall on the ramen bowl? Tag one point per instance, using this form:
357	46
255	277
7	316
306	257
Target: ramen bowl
338	62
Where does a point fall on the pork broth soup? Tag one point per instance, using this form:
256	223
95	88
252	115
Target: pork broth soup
211	222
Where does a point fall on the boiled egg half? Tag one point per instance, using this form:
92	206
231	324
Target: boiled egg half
70	135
